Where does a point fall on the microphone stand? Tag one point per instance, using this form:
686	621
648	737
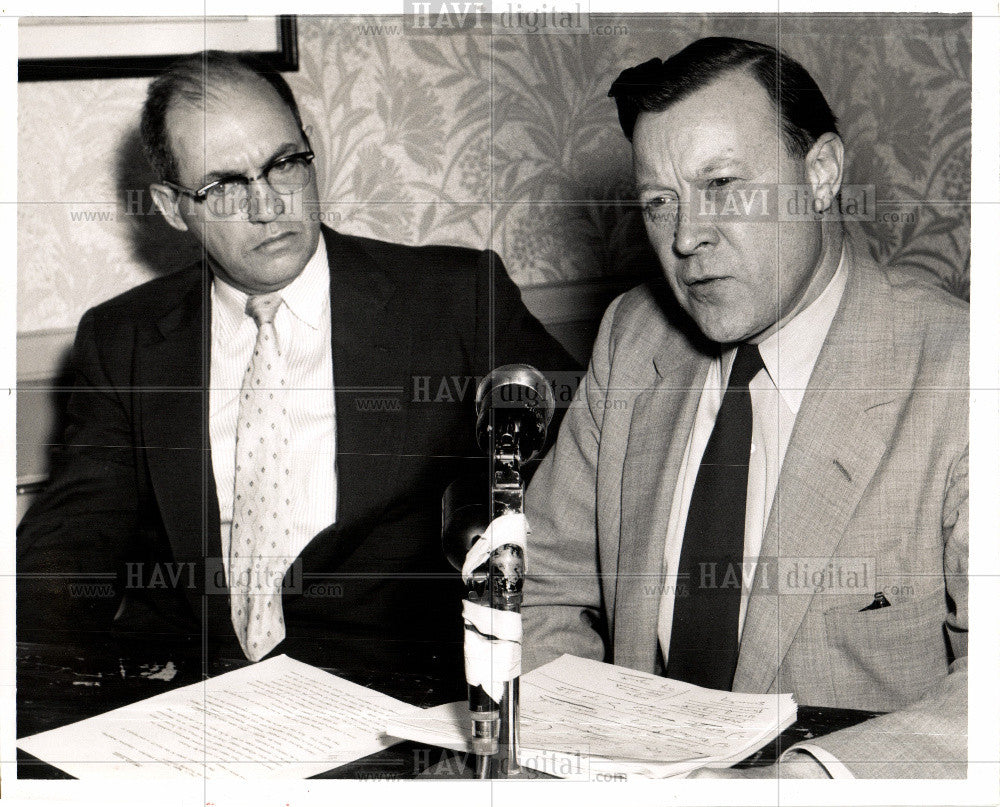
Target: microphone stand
514	408
505	585
497	584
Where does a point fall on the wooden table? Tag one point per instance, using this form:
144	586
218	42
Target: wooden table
62	682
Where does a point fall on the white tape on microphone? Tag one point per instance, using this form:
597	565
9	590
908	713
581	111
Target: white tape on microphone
492	647
493	637
511	528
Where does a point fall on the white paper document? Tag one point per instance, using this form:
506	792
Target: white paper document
276	719
582	719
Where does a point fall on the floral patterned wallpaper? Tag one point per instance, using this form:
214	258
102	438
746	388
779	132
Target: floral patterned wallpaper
506	141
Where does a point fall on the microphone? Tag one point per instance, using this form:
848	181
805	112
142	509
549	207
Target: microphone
514	406
483	532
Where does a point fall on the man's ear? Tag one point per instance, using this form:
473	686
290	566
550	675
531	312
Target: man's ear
167	202
308	130
825	169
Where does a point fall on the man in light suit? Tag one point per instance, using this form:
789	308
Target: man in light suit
383	344
837	566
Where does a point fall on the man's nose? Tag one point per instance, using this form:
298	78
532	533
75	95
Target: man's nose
694	230
264	204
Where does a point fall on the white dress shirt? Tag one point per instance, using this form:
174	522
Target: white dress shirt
303	328
776	394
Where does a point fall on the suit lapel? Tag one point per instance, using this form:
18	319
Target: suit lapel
835	448
172	391
658	435
371	360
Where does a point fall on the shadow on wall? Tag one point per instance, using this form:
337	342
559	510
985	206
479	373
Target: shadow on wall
41	404
154	243
41	425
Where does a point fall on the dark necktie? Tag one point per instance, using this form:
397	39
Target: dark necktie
704	643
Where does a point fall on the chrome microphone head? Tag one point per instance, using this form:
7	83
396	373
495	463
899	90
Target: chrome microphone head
514	406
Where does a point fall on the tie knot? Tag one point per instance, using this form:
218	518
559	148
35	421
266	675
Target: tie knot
746	365
263	307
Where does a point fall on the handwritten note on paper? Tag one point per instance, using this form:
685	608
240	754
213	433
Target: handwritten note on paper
582	719
276	719
598	710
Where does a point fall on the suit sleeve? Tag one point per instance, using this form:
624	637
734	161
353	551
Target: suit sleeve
929	738
563	606
72	541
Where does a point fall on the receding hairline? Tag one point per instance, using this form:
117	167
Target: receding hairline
224	88
197	80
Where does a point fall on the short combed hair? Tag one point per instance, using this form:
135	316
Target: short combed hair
192	79
654	85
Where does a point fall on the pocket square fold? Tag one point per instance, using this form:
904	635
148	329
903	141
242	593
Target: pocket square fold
880	601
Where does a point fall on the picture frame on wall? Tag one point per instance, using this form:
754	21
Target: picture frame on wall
68	48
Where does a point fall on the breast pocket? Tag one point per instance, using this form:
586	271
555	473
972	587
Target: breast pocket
887	657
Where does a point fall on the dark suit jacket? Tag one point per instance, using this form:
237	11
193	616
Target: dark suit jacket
133	500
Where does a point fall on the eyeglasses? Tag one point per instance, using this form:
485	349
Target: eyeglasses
285	175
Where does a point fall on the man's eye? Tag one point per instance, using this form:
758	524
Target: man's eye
284	166
659	208
720	182
224	188
657	202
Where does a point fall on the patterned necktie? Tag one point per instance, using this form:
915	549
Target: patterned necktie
704	637
262	491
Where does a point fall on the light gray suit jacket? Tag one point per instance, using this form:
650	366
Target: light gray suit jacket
873	491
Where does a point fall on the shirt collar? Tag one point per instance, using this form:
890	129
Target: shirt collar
306	297
790	354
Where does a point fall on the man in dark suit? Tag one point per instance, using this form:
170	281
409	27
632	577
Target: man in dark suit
147	493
